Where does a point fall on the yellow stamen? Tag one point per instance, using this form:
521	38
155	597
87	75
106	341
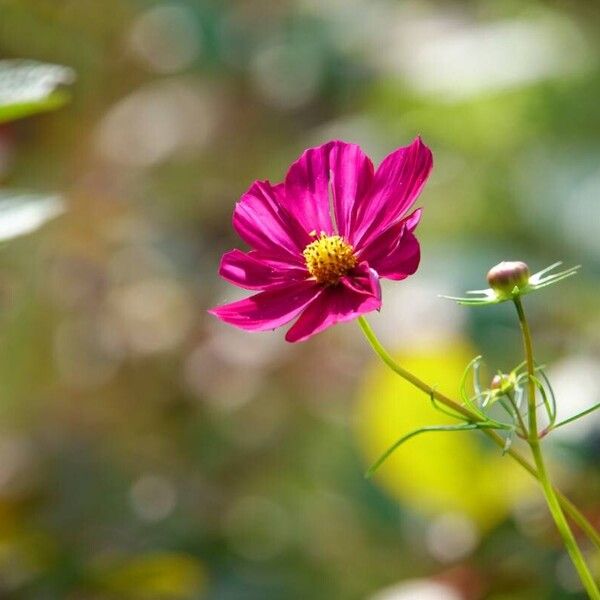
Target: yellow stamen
328	258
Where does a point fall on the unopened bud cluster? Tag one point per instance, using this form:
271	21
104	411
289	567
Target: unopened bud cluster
508	275
502	383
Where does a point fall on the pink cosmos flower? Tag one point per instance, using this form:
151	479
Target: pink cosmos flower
323	238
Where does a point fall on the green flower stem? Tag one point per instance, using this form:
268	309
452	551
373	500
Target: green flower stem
536	449
471	416
412	379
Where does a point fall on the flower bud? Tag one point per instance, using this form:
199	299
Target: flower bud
501	383
505	276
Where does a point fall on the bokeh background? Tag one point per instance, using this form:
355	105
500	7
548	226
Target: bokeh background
147	450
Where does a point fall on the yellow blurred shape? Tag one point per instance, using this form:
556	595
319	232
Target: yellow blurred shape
441	471
165	576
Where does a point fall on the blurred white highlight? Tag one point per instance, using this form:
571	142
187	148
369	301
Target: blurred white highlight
153	497
581	213
411	315
576	384
451	537
287	76
455	60
166	38
22	213
418	589
150	125
153	315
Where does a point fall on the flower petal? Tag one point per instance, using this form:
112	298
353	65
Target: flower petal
338	171
336	304
263	223
248	271
413	219
351	173
363	280
269	309
397	183
381	246
404	260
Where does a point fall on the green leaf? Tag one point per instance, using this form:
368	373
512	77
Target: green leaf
465	427
550	410
466	397
577	416
28	87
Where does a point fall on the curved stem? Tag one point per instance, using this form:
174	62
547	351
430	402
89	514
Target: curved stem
413	379
536	449
569	507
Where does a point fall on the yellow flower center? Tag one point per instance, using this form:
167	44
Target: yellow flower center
328	258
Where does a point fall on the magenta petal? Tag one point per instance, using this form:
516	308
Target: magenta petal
246	271
404	260
395	253
413	219
264	224
336	304
269	309
307	189
363	280
330	176
382	245
351	174
397	183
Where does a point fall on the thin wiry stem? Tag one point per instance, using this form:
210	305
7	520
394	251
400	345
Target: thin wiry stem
515	406
577	416
534	443
383	354
428	429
